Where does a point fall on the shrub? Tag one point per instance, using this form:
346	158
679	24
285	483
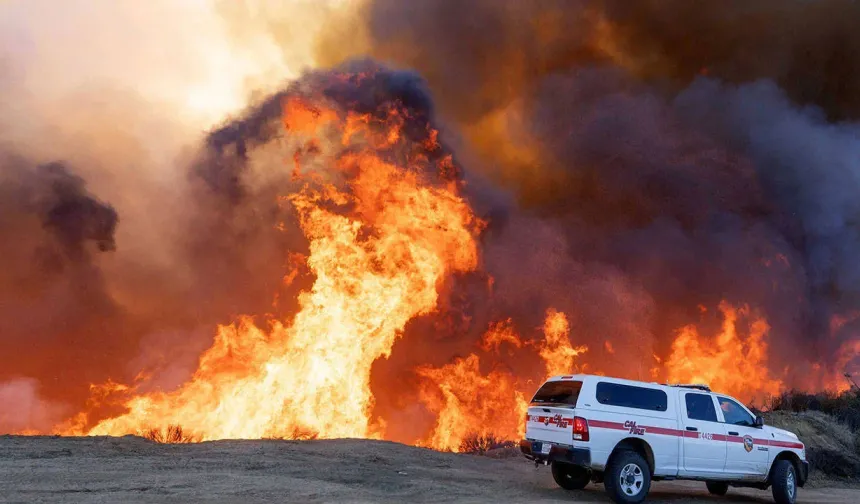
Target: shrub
480	444
845	406
172	435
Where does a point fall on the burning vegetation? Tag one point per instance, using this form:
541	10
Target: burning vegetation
381	253
173	434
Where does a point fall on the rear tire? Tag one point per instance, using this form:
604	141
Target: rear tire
784	482
717	487
569	476
627	478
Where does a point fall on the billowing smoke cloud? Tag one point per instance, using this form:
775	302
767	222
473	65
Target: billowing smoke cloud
52	289
660	156
810	170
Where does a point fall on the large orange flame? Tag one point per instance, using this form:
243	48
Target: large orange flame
468	403
380	247
557	351
500	333
728	363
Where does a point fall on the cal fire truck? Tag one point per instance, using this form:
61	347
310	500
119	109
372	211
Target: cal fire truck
627	434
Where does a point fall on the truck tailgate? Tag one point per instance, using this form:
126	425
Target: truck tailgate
550	423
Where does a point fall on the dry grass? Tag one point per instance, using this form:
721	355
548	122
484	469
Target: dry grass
829	425
830	445
814	428
172	435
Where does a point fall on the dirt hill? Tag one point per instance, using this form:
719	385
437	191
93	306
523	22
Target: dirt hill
832	449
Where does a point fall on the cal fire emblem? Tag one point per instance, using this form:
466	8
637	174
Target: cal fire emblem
634	429
748	443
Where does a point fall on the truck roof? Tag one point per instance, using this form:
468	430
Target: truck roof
696	386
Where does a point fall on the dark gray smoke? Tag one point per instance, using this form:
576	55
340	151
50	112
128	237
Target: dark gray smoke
676	155
73	216
811	169
60	201
808	48
51	287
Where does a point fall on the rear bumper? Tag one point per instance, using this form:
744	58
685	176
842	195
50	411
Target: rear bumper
575	456
804	473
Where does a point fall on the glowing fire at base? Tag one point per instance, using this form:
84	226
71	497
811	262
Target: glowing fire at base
469	404
379	248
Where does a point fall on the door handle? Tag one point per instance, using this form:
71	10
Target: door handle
732	433
693	429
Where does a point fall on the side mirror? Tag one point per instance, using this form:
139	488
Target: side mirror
759	422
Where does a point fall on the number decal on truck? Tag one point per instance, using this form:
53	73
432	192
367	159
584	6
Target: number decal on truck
634	429
707	436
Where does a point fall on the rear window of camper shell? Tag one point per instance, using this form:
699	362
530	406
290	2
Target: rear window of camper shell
558	392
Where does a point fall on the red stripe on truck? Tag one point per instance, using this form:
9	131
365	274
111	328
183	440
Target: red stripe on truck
600	424
550	419
662	431
786	444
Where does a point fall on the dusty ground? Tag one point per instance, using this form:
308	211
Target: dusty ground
90	470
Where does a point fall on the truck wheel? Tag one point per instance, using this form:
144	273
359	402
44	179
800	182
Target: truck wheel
784	481
569	476
717	487
627	478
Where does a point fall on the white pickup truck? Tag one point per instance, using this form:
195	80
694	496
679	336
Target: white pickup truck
627	434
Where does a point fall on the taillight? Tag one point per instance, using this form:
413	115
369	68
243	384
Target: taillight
580	429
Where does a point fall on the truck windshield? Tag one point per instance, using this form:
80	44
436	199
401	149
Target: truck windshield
558	392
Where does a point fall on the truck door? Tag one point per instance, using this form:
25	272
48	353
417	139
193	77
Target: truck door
747	452
704	435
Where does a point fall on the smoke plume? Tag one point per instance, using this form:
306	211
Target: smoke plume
54	230
680	154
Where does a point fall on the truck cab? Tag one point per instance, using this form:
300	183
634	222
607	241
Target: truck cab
626	434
